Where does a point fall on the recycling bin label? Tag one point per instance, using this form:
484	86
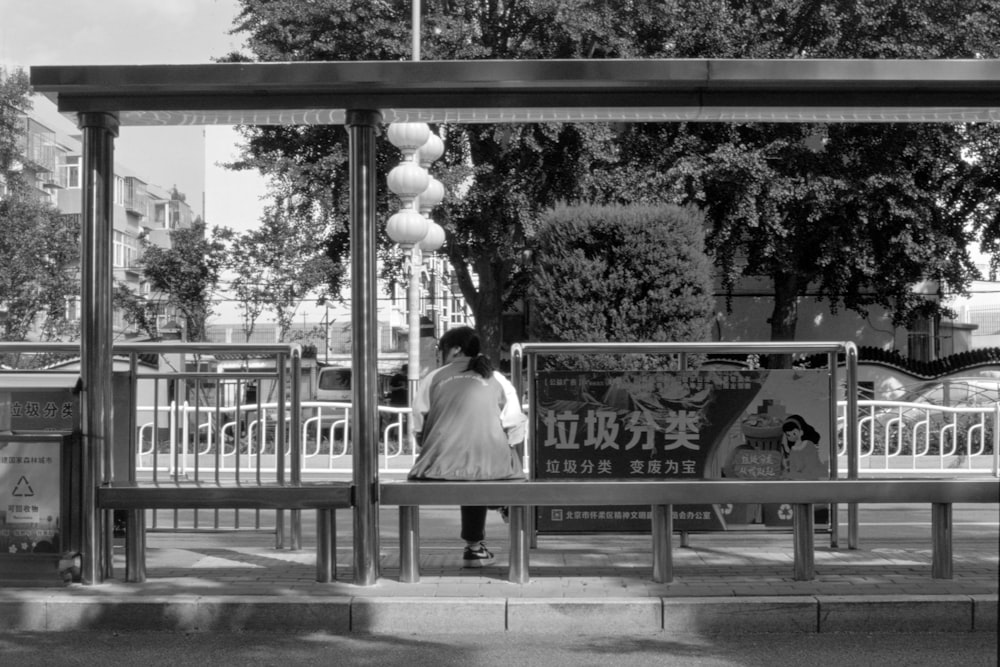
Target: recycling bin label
30	497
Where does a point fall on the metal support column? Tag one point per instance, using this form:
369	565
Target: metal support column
413	263
663	528
941	529
833	517
326	545
295	442
96	327
803	529
517	568
409	544
361	129
851	429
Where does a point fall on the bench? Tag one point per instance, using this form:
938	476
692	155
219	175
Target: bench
136	497
662	495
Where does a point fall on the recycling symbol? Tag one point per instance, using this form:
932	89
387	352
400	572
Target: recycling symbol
726	509
785	512
23	488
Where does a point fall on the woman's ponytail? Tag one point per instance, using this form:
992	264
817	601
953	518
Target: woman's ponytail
480	364
466	339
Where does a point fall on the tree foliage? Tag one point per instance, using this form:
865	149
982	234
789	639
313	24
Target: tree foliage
621	274
856	211
39	247
508	174
186	274
135	310
276	266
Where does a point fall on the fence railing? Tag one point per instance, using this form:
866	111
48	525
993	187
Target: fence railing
181	418
923	439
893	437
244	439
192	421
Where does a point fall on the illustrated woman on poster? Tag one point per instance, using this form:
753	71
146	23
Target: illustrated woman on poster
800	444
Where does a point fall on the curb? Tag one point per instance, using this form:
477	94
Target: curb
38	612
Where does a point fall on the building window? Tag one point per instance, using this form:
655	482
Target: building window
124	250
119	190
69	176
922	340
160	214
456	311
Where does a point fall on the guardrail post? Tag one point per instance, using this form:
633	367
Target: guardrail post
941	560
518	566
409	544
803	527
663	528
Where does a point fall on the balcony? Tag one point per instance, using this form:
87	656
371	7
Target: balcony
39	147
136	197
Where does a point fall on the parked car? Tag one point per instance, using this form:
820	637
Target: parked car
334	384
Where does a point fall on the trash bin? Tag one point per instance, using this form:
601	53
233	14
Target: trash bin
40	481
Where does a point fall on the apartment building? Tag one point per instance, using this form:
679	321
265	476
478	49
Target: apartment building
52	163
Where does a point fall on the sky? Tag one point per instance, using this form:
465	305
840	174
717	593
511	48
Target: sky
145	32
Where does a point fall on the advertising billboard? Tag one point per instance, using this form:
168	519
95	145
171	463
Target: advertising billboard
670	425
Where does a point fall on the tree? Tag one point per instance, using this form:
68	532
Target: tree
277	265
135	309
245	284
508	174
769	195
186	273
614	273
39	247
856	213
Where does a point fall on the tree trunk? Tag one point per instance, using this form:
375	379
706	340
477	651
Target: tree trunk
486	302
784	317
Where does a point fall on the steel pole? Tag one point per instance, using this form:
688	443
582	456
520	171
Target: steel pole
96	327
851	428
361	127
415	34
295	437
941	528
413	262
834	473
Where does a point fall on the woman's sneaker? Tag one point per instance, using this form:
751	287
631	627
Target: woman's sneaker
478	556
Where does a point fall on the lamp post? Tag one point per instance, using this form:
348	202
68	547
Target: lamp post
411	229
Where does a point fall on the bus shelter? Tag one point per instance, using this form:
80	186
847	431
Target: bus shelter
364	95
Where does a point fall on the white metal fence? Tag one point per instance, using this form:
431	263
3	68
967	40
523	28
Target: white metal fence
243	439
201	424
923	439
894	438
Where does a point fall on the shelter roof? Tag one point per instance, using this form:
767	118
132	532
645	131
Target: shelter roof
473	91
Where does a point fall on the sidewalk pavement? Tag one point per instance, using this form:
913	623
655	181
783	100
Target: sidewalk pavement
598	584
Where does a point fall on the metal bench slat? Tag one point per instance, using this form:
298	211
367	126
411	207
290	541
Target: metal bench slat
670	492
182	495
